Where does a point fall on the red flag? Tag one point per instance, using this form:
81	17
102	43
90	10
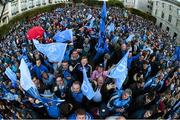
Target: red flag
35	32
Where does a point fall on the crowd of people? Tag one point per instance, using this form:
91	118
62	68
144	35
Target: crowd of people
151	89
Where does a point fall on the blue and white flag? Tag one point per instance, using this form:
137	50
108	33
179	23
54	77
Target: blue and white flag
63	36
89	17
120	71
86	87
111	28
12	76
54	51
6	94
91	23
130	38
26	82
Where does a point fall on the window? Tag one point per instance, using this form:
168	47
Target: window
170	18
31	4
156	3
156	12
38	2
178	23
163	5
170	7
4	20
175	35
167	29
178	11
162	15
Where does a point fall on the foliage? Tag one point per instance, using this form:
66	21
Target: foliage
115	3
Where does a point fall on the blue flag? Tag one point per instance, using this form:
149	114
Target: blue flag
111	28
101	46
86	87
26	82
120	71
102	36
129	39
54	51
12	76
177	53
64	36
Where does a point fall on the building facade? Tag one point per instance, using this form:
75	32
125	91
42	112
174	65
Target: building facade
129	3
167	13
18	6
144	5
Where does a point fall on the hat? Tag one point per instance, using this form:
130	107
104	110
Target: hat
135	77
47	94
129	91
101	65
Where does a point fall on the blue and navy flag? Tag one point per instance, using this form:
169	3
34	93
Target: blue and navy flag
86	87
63	36
54	51
12	76
26	82
120	71
102	37
111	27
177	53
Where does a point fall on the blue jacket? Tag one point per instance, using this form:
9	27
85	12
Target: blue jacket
116	101
151	83
119	102
78	97
39	70
73	117
130	60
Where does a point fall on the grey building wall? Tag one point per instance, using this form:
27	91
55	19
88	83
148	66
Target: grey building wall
168	16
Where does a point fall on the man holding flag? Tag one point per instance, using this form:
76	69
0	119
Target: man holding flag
120	71
27	84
